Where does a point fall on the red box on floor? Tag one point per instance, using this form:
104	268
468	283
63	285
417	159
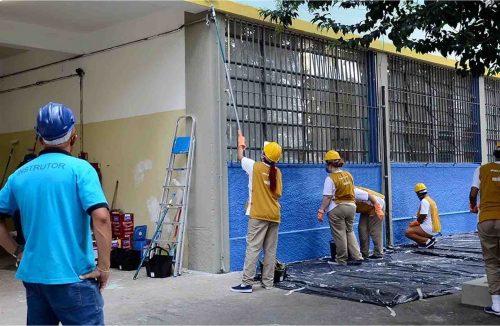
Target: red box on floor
126	243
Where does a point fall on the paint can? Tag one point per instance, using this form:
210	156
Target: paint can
333	250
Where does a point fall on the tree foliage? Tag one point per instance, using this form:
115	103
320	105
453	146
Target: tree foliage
468	30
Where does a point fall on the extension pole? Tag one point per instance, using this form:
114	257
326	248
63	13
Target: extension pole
228	77
80	72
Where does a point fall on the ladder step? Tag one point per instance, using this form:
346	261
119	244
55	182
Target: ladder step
172	205
177	169
172	223
167	241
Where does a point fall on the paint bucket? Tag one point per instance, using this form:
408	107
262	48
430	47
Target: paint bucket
333	250
279	272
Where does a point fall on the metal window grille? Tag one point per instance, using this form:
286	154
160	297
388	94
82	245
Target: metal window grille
299	91
432	115
492	92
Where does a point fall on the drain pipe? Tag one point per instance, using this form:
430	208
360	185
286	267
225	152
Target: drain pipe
386	171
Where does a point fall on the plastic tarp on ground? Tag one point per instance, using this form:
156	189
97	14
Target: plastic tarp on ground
406	274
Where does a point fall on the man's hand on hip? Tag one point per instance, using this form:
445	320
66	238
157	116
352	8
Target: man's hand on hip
102	277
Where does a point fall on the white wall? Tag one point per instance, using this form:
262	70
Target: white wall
135	80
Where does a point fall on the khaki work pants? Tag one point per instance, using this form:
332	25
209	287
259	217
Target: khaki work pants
370	226
489	234
261	235
341	220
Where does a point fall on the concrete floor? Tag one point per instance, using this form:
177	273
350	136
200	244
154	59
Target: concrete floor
198	298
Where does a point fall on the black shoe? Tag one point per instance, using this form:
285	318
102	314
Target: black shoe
241	288
431	243
355	262
375	257
489	310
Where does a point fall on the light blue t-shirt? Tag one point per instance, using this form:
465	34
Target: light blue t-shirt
55	194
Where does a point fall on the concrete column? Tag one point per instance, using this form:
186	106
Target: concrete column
208	222
383	102
482	121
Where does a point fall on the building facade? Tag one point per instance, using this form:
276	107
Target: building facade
397	119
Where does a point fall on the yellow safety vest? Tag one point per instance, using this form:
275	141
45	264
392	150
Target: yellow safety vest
344	187
436	222
265	205
489	189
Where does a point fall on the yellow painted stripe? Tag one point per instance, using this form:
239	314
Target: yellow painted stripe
303	26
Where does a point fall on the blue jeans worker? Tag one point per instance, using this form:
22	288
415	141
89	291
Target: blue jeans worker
57	195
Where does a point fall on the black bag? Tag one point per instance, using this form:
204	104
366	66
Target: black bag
158	265
125	259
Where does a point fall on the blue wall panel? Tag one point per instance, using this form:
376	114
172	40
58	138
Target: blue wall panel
301	236
448	185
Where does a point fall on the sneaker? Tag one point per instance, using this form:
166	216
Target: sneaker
489	310
242	288
375	257
355	262
431	243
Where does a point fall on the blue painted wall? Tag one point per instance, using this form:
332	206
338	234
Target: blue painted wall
448	185
302	237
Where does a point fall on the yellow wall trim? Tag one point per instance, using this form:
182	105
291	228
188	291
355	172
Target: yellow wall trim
132	150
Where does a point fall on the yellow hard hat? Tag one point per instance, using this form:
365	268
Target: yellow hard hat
272	150
420	187
332	155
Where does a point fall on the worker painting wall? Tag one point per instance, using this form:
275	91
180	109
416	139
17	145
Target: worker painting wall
132	98
300	235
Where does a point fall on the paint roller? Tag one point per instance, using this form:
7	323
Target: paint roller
13	144
241	139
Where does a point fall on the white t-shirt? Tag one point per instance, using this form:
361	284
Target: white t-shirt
425	207
362	196
329	190
247	165
475	179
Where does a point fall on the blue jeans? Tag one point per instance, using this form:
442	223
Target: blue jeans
71	304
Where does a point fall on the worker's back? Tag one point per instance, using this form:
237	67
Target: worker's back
53	193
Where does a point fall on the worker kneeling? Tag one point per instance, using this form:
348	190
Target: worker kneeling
424	229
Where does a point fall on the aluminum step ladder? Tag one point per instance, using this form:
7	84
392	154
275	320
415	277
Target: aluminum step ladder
173	210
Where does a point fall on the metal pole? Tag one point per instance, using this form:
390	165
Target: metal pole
228	77
80	74
386	172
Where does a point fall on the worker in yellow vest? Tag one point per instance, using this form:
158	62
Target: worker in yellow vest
339	204
427	225
263	209
370	221
486	181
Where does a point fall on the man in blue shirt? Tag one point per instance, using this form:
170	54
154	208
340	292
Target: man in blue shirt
56	195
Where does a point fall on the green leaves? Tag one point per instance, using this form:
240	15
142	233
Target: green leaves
468	30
